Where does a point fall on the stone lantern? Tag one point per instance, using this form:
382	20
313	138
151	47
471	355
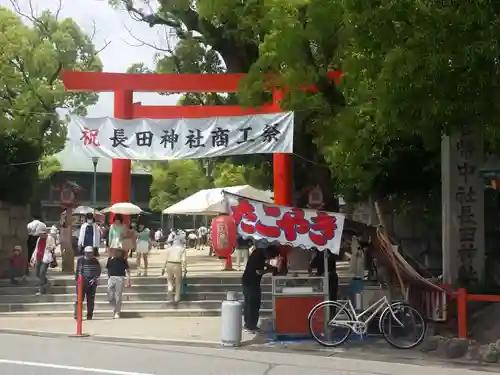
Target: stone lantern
68	192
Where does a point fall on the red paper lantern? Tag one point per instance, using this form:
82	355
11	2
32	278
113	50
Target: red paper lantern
223	235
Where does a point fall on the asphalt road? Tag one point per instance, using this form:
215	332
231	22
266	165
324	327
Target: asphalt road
30	355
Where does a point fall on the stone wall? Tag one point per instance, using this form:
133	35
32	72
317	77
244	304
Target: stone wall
13	221
417	231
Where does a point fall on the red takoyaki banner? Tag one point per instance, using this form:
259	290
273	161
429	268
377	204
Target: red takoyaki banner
296	227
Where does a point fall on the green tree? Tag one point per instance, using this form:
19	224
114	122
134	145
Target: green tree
227	174
17	169
48	166
174	181
225	36
34	50
413	71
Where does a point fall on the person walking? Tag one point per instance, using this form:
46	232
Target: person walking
242	252
34	227
42	257
158	237
88	266
143	246
90	235
116	233
171	237
202	237
252	276
118	268
176	265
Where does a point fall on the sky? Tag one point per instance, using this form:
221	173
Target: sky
114	27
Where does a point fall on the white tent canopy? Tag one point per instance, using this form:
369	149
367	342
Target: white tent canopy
211	201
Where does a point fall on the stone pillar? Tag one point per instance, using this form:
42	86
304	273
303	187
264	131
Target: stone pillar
462	207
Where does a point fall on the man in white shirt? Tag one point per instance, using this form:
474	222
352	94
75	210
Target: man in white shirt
158	236
171	237
202	236
176	264
89	235
35	227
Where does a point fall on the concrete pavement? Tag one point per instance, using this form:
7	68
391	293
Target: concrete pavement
193	330
49	356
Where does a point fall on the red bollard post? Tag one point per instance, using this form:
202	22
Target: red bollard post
462	313
79	309
228	263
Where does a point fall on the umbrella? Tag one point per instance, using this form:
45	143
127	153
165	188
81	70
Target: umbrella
83	210
123	208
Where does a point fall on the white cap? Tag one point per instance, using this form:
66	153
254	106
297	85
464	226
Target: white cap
42	228
88	249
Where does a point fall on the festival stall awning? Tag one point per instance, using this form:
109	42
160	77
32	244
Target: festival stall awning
211	201
296	227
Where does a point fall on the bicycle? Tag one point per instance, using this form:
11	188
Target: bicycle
347	318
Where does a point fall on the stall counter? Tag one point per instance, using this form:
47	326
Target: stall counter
293	299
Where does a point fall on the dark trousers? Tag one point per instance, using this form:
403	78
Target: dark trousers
89	291
333	286
252	298
30	246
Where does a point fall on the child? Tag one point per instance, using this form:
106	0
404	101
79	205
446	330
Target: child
17	265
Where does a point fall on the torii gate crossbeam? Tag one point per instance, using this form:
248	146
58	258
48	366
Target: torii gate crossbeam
123	87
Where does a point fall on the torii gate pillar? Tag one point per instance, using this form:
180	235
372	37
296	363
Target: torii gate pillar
124	85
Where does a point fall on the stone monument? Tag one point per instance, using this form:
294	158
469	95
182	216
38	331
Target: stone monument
462	207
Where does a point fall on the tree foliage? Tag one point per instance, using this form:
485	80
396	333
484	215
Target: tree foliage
174	181
227	174
48	166
225	36
412	71
34	50
18	171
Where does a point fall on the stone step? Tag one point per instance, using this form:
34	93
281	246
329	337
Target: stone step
147	288
125	314
127	296
143	280
127	305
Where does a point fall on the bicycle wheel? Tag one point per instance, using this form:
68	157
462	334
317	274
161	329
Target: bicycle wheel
325	323
401	318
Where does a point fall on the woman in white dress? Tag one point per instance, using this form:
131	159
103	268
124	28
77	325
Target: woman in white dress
142	248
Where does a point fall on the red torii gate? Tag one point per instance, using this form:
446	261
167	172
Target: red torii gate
123	86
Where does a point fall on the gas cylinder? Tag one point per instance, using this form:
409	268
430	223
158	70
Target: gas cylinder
231	314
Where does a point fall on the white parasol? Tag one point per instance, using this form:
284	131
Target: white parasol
83	210
123	208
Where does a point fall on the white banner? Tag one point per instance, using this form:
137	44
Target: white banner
296	227
146	139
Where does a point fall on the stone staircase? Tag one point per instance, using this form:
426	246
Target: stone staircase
206	288
146	297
